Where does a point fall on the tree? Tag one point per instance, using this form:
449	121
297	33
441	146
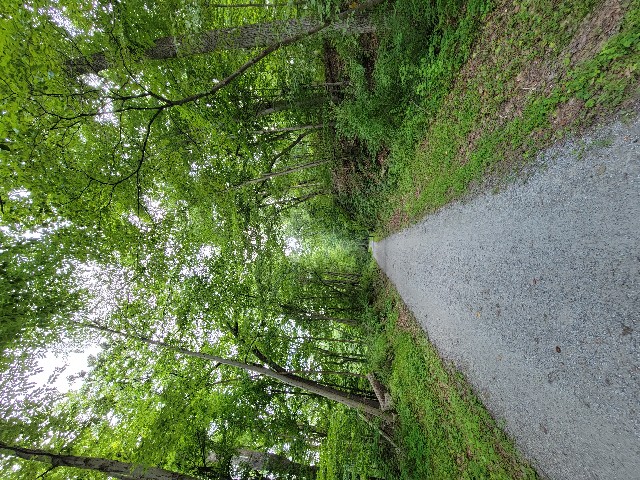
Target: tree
244	37
139	118
114	468
36	288
367	405
272	463
129	174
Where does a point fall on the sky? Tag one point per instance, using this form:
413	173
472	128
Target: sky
75	363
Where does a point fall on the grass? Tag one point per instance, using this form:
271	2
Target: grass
442	430
493	84
454	97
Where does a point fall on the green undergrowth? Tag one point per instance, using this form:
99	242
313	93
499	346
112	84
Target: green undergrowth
397	81
522	75
442	430
354	450
449	98
422	46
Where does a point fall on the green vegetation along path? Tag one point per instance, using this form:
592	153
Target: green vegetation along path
534	293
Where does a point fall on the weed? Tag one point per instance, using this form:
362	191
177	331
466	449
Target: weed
469	92
602	142
442	430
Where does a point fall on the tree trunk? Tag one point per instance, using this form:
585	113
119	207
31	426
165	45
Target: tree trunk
306	315
269	176
344	358
292	129
265	53
252	5
248	458
290	203
384	397
110	467
273	463
245	37
354	401
282	105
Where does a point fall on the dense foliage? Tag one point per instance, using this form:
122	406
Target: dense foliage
166	194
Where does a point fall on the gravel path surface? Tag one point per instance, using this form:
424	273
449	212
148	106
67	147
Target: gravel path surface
534	293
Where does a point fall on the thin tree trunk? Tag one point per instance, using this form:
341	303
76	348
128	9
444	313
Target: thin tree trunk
272	463
252	5
306	315
308	184
327	85
344	358
354	401
326	339
268	51
285	205
269	176
282	105
110	467
288	148
353	276
327	372
235	331
244	37
293	129
384	397
285	150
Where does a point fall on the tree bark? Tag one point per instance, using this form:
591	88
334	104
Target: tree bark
277	106
306	315
268	462
269	176
245	37
384	397
110	467
265	53
252	5
293	129
273	463
354	401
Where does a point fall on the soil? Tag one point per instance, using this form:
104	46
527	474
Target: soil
595	30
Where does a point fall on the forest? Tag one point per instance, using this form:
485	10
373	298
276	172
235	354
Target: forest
188	190
167	196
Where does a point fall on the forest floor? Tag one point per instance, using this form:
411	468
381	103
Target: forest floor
496	93
533	78
532	293
474	107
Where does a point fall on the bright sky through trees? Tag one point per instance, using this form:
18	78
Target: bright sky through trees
73	362
167	209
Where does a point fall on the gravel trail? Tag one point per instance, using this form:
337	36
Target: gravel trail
534	294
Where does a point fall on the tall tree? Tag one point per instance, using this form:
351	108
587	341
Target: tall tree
132	171
114	468
244	37
367	405
272	463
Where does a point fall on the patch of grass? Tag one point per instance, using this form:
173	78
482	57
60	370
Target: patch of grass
538	69
442	430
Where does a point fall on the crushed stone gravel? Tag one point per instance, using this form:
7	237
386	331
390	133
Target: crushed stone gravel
534	294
